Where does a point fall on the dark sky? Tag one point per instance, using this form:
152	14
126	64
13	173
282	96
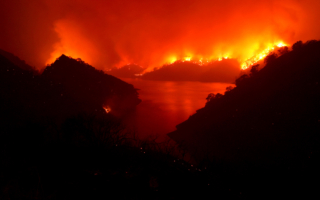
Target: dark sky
108	33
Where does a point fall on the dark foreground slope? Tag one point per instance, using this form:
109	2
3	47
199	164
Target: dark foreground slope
33	108
269	123
17	61
65	88
57	142
90	88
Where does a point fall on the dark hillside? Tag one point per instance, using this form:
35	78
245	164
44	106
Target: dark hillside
55	123
271	120
67	87
23	95
30	103
90	88
281	97
17	61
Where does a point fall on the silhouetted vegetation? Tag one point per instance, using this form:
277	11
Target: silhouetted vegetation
229	88
212	96
270	58
266	130
297	46
254	70
241	79
18	62
283	50
89	88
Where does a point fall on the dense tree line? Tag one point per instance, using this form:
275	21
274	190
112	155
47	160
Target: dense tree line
269	122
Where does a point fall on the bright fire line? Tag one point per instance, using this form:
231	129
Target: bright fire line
260	56
244	65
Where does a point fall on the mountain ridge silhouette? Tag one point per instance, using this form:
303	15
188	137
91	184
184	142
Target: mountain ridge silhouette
267	117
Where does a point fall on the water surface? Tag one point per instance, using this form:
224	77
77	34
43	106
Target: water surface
166	104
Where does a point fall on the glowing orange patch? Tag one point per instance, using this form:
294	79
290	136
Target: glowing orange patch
107	109
260	56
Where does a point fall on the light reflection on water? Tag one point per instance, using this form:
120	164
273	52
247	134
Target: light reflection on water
166	104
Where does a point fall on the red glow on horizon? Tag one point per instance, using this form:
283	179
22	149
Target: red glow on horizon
71	44
109	34
244	64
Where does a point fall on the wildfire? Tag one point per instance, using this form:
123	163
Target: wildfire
200	61
244	64
280	44
172	59
260	56
223	57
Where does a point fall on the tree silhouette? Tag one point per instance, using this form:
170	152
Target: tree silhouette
210	96
241	79
283	50
229	88
296	46
213	96
254	69
270	58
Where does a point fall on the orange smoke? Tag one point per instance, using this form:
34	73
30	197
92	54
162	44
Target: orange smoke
110	34
71	44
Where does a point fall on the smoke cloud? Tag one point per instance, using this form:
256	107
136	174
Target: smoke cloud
107	33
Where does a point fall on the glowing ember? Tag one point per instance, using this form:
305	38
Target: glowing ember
281	45
107	109
172	59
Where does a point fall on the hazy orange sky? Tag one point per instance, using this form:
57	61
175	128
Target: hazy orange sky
150	33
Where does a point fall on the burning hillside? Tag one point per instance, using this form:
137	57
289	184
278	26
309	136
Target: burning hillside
222	69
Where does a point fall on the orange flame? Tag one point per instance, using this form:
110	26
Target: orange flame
244	64
187	58
107	109
260	56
